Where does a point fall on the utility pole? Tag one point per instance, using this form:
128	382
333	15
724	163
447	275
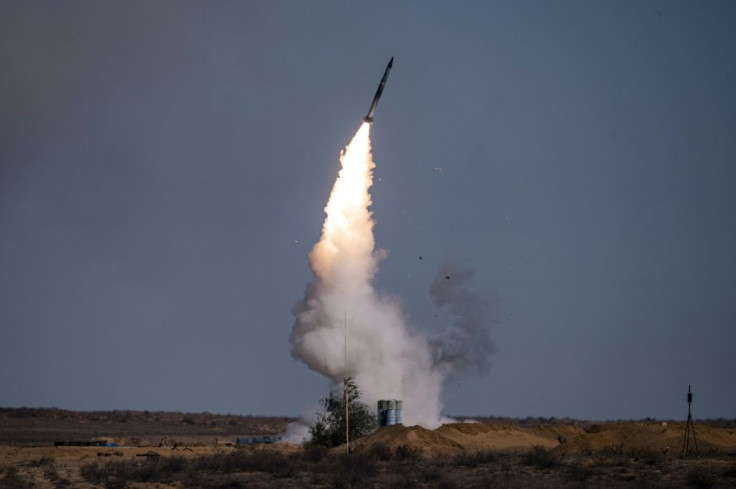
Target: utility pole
347	397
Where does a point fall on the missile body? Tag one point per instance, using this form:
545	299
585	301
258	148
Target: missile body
369	118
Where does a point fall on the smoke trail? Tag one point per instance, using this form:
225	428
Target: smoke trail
386	358
467	344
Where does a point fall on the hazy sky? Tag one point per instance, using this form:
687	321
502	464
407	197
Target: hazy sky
164	168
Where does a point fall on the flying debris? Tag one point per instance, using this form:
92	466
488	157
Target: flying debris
369	118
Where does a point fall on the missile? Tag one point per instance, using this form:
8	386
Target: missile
369	118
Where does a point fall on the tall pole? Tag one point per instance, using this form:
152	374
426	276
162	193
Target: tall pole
347	400
689	426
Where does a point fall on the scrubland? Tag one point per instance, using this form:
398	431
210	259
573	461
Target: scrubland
491	454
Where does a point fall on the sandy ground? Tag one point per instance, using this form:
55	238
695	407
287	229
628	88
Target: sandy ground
34	463
44	465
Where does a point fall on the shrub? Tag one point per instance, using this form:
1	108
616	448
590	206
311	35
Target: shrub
349	470
405	452
329	429
432	473
172	464
115	483
314	453
160	469
699	478
92	472
403	482
50	473
650	457
43	461
539	458
380	452
579	473
449	484
266	460
474	459
12	480
730	472
62	483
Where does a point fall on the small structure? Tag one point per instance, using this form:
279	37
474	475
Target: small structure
689	428
390	412
257	440
95	443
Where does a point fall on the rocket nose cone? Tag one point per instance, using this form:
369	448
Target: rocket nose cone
391	63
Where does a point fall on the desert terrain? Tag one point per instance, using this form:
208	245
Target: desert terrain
179	450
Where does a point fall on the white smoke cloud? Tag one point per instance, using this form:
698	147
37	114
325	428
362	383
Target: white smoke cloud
387	358
297	432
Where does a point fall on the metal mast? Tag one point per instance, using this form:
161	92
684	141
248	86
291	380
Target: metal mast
689	426
347	400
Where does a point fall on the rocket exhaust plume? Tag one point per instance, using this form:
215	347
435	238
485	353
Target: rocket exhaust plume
386	358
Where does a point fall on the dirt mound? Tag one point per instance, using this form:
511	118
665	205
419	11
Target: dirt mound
415	438
610	438
634	438
464	437
481	437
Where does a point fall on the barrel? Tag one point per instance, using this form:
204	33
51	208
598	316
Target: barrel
381	413
391	413
399	412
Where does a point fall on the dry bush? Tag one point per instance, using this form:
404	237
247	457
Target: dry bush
700	478
450	484
62	483
405	452
473	459
269	461
314	453
649	456
432	473
580	473
11	480
92	472
118	474
43	461
540	458
729	472
380	452
172	469
50	473
197	481
355	470
115	483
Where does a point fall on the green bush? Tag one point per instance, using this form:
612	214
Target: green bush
329	429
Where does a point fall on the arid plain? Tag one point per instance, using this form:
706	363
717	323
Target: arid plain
161	449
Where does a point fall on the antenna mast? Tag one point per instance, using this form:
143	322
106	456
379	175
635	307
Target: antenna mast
689	426
347	400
